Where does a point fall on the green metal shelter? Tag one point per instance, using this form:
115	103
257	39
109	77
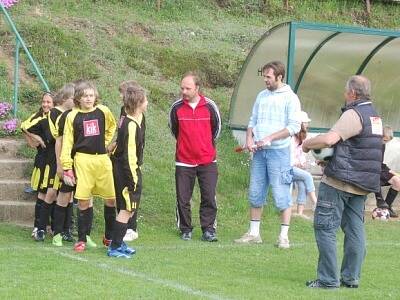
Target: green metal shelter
319	59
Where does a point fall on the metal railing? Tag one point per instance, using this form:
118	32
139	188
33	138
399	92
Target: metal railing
19	43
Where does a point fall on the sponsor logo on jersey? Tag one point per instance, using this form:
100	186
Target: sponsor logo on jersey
91	128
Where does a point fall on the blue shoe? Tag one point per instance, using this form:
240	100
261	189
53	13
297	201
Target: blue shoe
117	253
126	249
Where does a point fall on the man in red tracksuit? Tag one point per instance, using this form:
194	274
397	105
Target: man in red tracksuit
196	123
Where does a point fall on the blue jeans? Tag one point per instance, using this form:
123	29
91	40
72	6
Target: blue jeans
304	183
337	208
271	167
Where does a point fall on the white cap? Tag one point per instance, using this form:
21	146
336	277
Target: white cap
302	117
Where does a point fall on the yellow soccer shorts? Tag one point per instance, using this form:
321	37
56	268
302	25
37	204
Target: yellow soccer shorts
93	176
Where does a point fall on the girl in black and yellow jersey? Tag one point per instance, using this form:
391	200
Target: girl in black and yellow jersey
36	141
131	232
51	180
89	128
64	102
127	159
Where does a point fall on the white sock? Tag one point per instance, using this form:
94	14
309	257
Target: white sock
255	227
284	231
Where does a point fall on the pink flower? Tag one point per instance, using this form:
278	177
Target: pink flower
5	108
10	126
8	3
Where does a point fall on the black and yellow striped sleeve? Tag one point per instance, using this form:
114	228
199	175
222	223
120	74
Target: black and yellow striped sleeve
110	124
68	141
132	153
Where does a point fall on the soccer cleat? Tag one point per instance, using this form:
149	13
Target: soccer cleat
317	284
106	242
209	236
247	238
34	232
130	235
40	235
117	253
57	240
347	285
80	246
186	236
282	243
128	250
90	243
67	236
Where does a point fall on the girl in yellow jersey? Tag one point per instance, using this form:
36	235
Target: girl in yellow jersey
36	141
89	128
127	159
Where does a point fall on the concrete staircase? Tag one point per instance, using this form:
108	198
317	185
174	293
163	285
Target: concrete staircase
16	206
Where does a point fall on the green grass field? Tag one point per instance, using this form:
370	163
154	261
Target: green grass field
166	267
110	41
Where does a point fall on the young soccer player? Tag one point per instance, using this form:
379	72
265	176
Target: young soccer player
388	178
89	128
127	159
36	141
63	101
63	208
131	233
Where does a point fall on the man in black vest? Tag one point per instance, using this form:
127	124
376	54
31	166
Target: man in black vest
351	174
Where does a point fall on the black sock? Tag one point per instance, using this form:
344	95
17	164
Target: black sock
38	206
90	220
44	216
109	220
59	218
118	234
68	218
83	224
52	209
391	195
132	223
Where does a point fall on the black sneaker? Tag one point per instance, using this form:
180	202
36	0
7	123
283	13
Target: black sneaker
209	236
67	236
347	285
186	236
39	236
392	213
317	284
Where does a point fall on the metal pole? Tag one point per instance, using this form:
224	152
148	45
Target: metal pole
16	76
291	53
14	29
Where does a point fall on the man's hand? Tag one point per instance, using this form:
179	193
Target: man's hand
264	142
250	144
69	177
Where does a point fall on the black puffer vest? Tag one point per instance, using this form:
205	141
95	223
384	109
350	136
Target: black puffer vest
358	160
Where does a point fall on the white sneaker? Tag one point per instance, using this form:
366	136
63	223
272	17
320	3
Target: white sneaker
130	235
282	243
33	234
249	239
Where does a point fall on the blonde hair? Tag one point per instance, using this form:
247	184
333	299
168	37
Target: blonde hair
80	88
65	93
133	97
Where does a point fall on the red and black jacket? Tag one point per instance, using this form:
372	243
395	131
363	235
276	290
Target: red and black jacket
195	131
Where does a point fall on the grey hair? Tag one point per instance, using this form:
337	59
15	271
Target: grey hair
360	85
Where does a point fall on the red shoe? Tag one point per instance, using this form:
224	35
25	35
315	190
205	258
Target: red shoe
106	242
79	246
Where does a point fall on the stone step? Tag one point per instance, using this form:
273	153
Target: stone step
17	212
13	189
14	168
9	147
